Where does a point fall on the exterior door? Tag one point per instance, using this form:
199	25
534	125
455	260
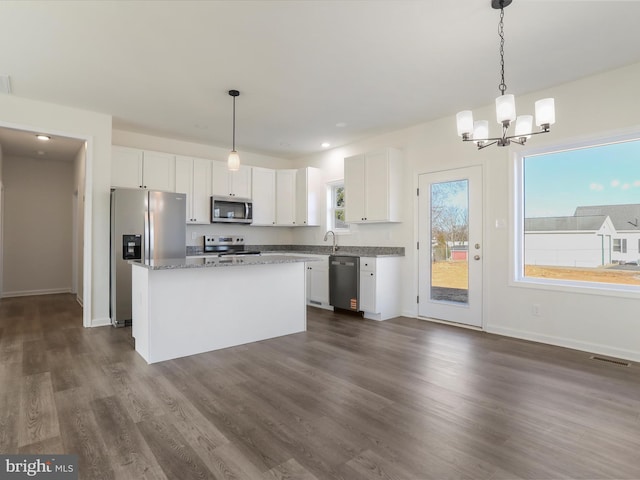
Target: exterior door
450	254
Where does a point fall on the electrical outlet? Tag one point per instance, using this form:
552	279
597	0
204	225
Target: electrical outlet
535	309
193	235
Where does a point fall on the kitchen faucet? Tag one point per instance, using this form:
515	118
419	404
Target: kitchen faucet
326	236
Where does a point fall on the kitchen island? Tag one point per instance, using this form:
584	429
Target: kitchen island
187	306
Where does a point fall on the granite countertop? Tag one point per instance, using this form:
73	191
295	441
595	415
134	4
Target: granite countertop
355	251
226	261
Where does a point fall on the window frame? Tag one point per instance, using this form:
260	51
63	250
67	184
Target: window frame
331	186
622	245
516	214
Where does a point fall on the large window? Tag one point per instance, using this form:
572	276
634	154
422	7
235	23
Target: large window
578	208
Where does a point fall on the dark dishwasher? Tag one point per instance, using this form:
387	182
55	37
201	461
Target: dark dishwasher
344	282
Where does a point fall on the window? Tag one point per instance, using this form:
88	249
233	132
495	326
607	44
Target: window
620	245
335	207
577	207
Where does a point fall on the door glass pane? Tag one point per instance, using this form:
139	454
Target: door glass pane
450	241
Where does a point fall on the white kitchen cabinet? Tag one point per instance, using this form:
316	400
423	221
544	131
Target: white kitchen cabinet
231	184
380	290
286	197
368	284
373	187
309	196
318	282
134	168
263	195
193	177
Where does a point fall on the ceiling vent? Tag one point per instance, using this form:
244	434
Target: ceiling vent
5	84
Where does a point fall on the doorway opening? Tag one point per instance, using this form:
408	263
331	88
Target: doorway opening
43	214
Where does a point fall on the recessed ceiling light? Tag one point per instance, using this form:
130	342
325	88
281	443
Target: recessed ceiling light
40	152
44	138
341	124
325	145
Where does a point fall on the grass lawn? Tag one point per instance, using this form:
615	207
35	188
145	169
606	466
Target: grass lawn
454	274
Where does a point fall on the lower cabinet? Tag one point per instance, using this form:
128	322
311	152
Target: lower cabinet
380	291
318	282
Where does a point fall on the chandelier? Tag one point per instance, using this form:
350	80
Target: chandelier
478	131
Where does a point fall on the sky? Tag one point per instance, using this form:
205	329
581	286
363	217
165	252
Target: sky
557	183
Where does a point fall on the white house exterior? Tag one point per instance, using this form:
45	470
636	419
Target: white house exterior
626	221
594	236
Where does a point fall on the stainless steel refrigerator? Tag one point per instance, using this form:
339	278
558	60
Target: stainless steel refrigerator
145	225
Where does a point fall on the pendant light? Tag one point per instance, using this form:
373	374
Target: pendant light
233	162
478	131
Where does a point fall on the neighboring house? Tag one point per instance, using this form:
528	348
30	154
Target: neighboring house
592	237
459	252
626	221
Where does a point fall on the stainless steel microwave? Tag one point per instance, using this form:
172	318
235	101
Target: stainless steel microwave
231	210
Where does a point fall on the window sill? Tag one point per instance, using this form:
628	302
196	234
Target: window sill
581	288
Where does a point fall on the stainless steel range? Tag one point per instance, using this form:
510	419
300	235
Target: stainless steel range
226	245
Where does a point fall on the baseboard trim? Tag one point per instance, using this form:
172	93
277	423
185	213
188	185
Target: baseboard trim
79	300
566	343
30	293
452	324
100	322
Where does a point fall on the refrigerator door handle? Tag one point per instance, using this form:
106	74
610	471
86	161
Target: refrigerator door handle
148	234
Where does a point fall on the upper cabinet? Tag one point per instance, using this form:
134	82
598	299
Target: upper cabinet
134	168
309	196
286	197
264	196
372	184
231	184
193	177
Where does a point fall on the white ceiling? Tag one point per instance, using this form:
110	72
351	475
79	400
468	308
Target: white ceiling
303	67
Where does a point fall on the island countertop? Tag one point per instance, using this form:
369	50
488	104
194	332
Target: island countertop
225	261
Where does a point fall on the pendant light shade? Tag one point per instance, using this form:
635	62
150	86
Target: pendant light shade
480	131
465	122
505	108
545	112
233	162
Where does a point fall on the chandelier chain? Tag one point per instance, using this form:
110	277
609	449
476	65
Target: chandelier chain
503	86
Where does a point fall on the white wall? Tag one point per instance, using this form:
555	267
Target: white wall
25	114
573	249
38	226
590	107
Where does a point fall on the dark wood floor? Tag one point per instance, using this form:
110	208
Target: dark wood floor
351	398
